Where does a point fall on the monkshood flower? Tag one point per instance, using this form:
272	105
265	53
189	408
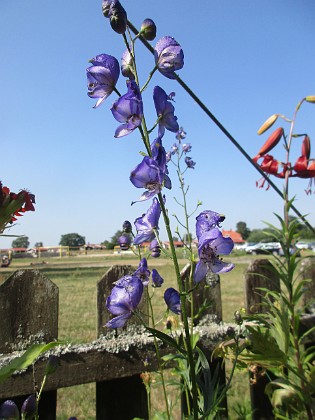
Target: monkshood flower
117	15
28	409
128	109
208	220
189	162
174	148
181	134
127	67
102	77
155	248
172	300
211	244
148	29
151	173
143	272
124	242
156	278
124	299
186	147
127	226
169	56
148	223
165	111
9	411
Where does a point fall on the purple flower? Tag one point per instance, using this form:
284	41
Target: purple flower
128	109
146	224
124	242
127	226
208	220
156	278
117	15
165	111
102	77
9	410
172	300
151	173
169	56
189	162
211	244
127	68
28	409
168	156
123	300
148	29
186	147
155	248
142	272
174	148
181	134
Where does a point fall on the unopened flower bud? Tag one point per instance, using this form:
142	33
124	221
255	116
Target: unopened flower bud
148	29
28	409
9	410
156	278
127	226
306	147
124	242
268	123
272	141
310	99
155	248
118	18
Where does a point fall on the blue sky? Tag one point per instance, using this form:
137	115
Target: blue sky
245	60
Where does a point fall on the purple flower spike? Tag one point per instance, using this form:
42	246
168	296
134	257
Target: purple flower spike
165	111
156	278
102	77
189	162
128	109
186	147
146	224
211	244
123	300
151	173
155	248
172	300
208	220
142	272
28	409
169	56
9	410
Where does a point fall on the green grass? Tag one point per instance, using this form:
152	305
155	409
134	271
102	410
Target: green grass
77	277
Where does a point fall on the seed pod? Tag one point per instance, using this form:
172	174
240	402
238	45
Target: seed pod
268	123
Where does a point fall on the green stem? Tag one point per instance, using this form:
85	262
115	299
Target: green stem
183	309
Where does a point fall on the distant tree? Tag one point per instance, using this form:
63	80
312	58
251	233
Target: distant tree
242	228
38	245
21	242
175	238
73	240
187	237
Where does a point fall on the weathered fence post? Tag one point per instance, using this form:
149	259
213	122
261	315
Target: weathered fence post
308	321
123	398
209	297
259	274
29	313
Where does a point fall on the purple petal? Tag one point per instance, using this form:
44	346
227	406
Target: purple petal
118	321
200	271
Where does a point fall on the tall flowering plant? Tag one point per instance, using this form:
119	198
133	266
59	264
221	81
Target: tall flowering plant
274	342
152	177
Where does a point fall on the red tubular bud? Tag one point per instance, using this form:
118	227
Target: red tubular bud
306	147
272	141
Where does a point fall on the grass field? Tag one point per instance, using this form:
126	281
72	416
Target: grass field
76	278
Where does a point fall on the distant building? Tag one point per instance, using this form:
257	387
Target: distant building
235	236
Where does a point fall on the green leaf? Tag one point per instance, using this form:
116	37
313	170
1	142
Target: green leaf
27	358
166	339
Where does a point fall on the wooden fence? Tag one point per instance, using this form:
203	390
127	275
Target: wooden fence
29	313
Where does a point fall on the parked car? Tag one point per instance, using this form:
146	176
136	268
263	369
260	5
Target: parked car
303	245
264	248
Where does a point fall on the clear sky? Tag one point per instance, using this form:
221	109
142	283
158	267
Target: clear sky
245	60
